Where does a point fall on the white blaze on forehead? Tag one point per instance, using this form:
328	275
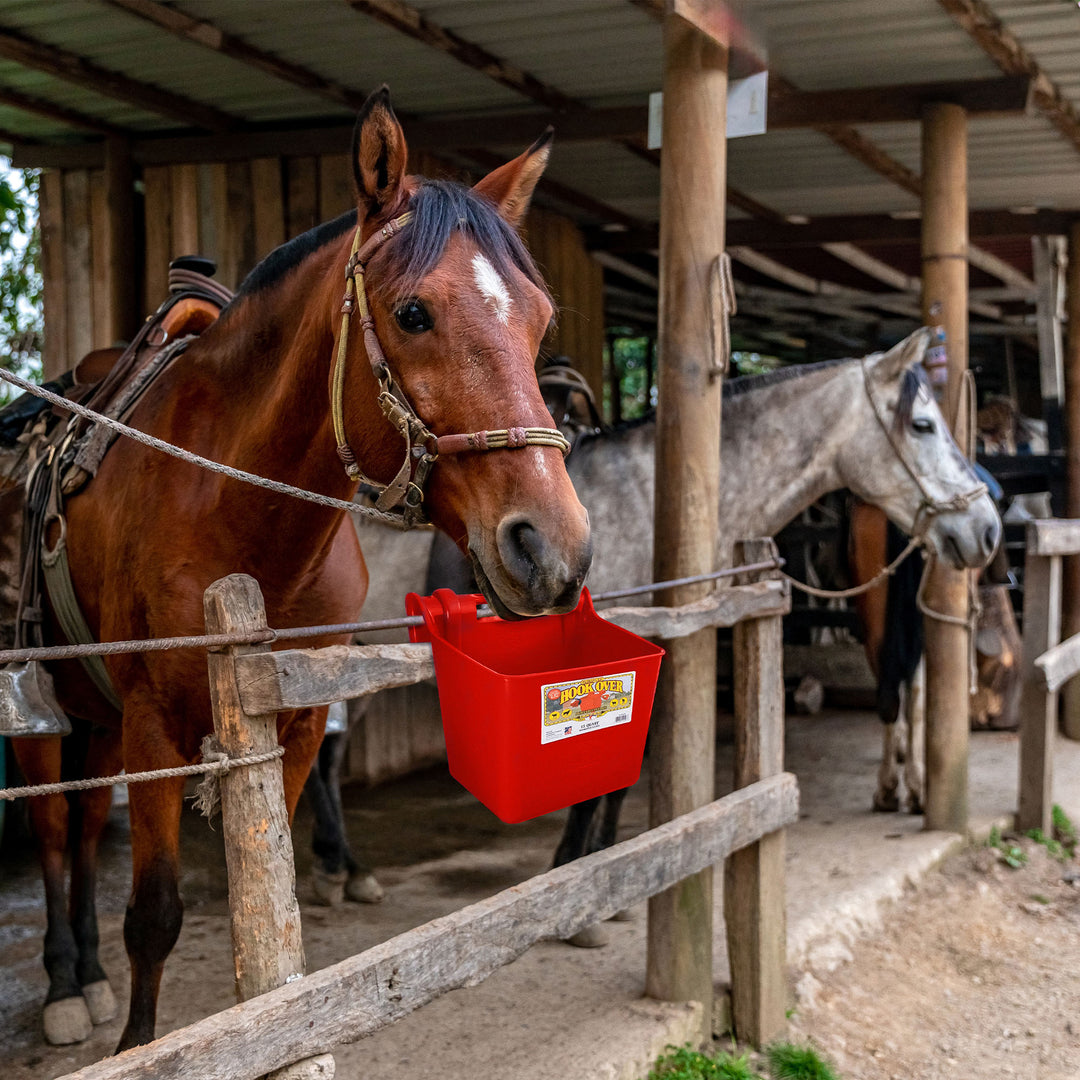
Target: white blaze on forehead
492	287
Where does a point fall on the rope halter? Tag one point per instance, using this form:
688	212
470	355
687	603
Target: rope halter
422	447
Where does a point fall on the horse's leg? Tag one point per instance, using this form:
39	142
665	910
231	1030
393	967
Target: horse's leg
155	911
66	1018
103	759
329	873
575	838
576	832
915	763
886	798
603	832
361	884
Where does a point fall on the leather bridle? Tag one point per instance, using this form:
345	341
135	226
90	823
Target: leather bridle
422	447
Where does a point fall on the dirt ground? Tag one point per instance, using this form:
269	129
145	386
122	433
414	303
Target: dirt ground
968	964
976	977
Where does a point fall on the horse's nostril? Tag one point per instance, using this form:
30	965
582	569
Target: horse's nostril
522	549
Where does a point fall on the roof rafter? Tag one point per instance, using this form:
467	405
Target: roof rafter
27	103
65	65
1009	53
205	33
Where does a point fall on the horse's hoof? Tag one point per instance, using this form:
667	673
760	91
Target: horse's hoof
626	915
67	1021
100	1001
329	888
914	804
886	802
364	889
592	937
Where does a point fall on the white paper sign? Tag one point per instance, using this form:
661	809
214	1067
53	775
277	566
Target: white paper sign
747	101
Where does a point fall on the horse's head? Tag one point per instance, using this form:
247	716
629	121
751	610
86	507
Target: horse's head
459	309
905	460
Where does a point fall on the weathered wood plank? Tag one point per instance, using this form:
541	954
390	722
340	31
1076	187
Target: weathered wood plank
1053	536
1059	664
265	917
268	204
1038	708
722	608
78	266
297	678
157	210
365	993
754	895
51	217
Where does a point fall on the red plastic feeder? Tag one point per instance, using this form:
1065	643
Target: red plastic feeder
541	713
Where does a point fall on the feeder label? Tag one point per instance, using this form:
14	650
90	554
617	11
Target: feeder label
574	708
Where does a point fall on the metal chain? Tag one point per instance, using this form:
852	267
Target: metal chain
196	459
219	765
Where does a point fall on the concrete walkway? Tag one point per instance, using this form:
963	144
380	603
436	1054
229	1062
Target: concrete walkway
557	1012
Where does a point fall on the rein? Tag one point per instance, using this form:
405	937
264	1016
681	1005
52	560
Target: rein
929	508
422	447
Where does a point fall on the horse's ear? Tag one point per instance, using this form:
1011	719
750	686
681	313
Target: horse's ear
379	154
891	364
510	186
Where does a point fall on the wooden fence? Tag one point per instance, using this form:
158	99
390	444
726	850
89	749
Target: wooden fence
1049	663
288	1021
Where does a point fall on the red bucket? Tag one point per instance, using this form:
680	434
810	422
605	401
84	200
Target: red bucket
539	713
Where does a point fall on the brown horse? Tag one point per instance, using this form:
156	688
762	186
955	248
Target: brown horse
459	310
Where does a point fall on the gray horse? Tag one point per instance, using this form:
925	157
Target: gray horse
788	438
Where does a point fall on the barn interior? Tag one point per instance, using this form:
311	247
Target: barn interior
223	128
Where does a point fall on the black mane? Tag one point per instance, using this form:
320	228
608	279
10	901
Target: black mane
440	208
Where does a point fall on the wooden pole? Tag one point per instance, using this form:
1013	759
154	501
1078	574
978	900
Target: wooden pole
268	949
754	894
1071	614
1038	708
944	303
692	185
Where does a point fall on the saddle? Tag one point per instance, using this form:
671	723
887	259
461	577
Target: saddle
51	455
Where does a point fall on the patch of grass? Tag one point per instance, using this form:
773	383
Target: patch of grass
1039	898
683	1063
1053	848
787	1061
1011	854
1065	832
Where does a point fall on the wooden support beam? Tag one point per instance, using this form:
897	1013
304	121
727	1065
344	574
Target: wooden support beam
1070	718
1009	53
1038	707
904	103
1059	664
60	113
366	993
692	186
945	303
120	201
1048	256
205	33
69	67
764	235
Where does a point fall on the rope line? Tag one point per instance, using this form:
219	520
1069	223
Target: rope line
196	459
258	637
856	590
219	765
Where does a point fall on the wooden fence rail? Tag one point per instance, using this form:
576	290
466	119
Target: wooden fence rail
287	1023
374	989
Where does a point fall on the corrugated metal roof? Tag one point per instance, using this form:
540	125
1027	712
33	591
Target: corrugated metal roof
597	53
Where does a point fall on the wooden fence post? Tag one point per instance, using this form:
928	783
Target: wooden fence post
754	895
268	948
1070	712
1038	708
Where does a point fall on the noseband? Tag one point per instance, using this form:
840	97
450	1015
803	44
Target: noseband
931	505
422	447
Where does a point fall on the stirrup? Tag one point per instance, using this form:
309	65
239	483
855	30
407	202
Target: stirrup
28	705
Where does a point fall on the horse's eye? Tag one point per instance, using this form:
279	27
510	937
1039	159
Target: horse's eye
413	317
923	426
